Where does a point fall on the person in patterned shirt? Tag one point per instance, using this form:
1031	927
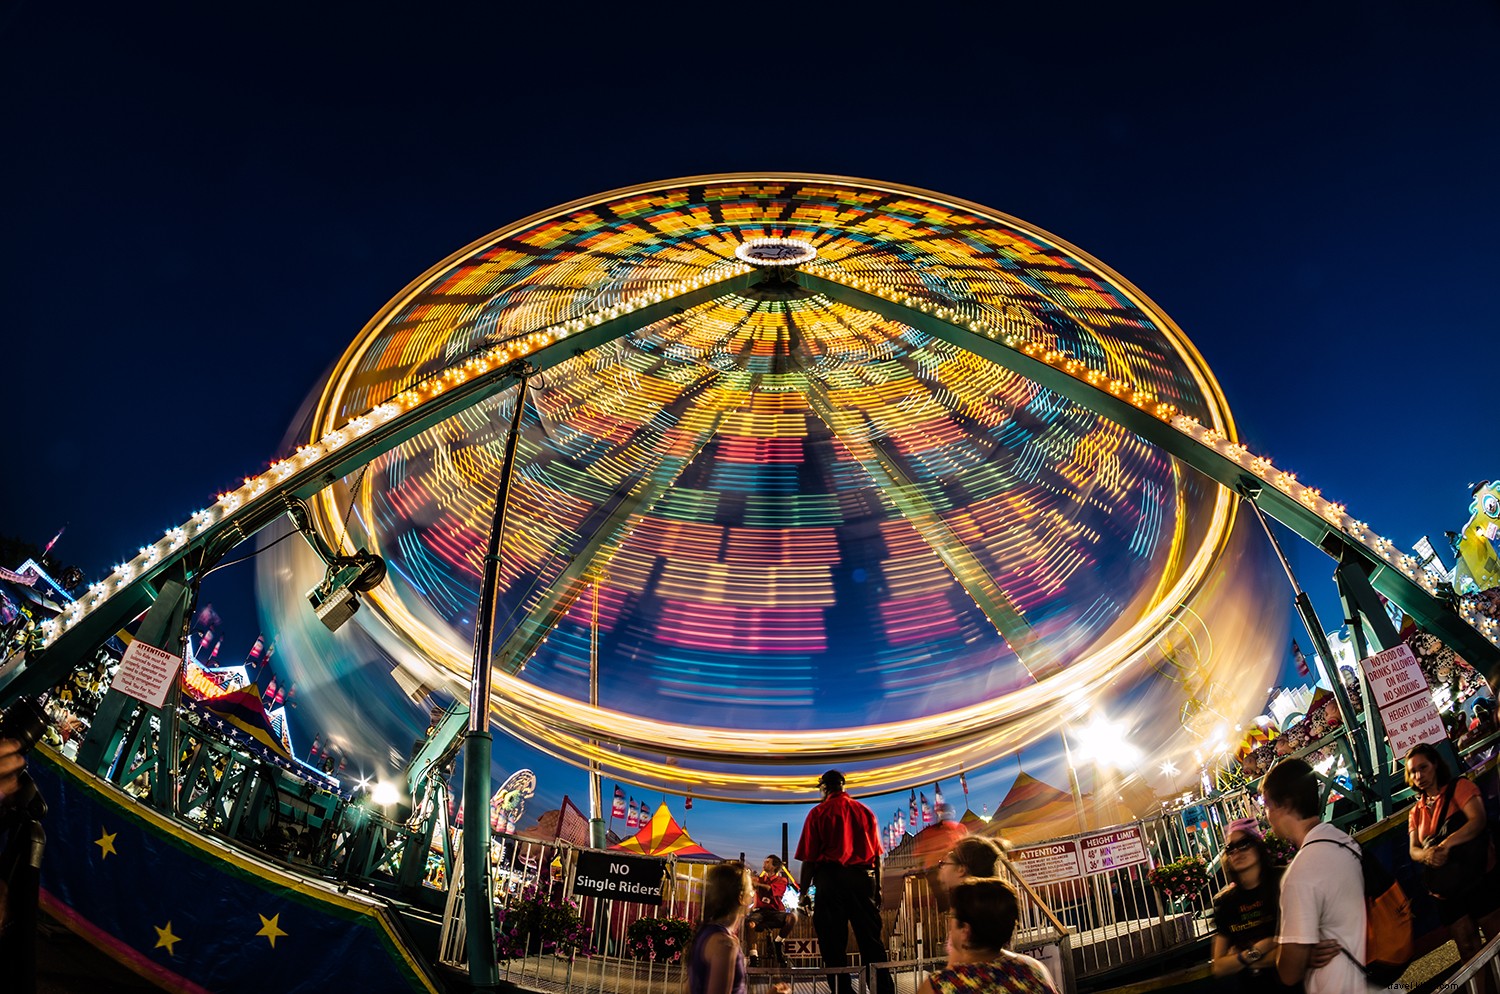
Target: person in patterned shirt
980	924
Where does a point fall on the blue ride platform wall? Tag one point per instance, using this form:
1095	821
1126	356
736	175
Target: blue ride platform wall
193	914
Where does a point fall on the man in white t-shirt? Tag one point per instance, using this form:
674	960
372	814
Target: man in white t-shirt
1321	932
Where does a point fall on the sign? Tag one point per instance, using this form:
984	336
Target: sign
1412	721
799	947
1113	850
619	876
1398	685
1048	864
1195	817
146	673
1394	675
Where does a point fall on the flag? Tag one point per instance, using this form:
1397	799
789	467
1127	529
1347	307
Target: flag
632	817
689	803
964	783
937	799
926	811
1302	667
617	809
912	806
53	542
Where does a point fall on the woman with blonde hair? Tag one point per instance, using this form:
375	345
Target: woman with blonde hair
980	926
716	963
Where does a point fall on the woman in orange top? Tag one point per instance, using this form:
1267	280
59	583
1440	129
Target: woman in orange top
1439	797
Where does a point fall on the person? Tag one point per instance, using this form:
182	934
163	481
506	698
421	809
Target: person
1439	797
770	904
973	856
980	926
1321	930
931	845
840	854
1245	912
716	963
1483	725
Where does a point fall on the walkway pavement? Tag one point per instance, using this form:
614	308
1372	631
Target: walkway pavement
67	964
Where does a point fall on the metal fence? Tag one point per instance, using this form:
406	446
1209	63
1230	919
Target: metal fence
526	869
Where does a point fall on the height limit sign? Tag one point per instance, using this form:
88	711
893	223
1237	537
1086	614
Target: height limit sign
1400	689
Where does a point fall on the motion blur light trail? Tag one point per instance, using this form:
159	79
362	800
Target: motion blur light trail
819	535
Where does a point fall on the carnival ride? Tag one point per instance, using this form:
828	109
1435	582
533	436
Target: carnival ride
776	439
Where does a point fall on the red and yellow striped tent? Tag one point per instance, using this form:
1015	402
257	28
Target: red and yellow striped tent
662	836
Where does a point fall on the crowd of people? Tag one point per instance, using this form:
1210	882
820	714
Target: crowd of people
1305	928
840	854
1298	929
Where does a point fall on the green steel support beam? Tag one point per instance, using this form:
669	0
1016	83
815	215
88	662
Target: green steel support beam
1433	613
160	628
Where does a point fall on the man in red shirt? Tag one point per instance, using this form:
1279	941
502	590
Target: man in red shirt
769	913
840	854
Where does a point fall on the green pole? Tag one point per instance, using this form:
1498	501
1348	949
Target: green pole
479	900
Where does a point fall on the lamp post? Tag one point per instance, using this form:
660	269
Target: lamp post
479	896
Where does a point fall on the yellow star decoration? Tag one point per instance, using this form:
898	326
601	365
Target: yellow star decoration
106	844
270	929
164	937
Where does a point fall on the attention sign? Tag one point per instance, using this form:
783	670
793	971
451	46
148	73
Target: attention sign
146	673
1048	864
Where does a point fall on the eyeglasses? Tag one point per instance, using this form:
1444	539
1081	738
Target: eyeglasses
1238	847
949	862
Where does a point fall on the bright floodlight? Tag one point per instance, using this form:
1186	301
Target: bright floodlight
1104	742
385	794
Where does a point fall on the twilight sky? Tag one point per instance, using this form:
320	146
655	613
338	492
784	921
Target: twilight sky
205	204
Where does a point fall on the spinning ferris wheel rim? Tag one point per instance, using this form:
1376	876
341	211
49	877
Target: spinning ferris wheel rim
575	724
1223	419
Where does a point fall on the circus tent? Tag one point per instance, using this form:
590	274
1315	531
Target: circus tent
1034	811
662	836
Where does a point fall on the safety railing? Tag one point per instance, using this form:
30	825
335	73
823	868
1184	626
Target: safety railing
1480	974
529	873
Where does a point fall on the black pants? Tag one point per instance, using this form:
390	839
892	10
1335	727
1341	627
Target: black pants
849	897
